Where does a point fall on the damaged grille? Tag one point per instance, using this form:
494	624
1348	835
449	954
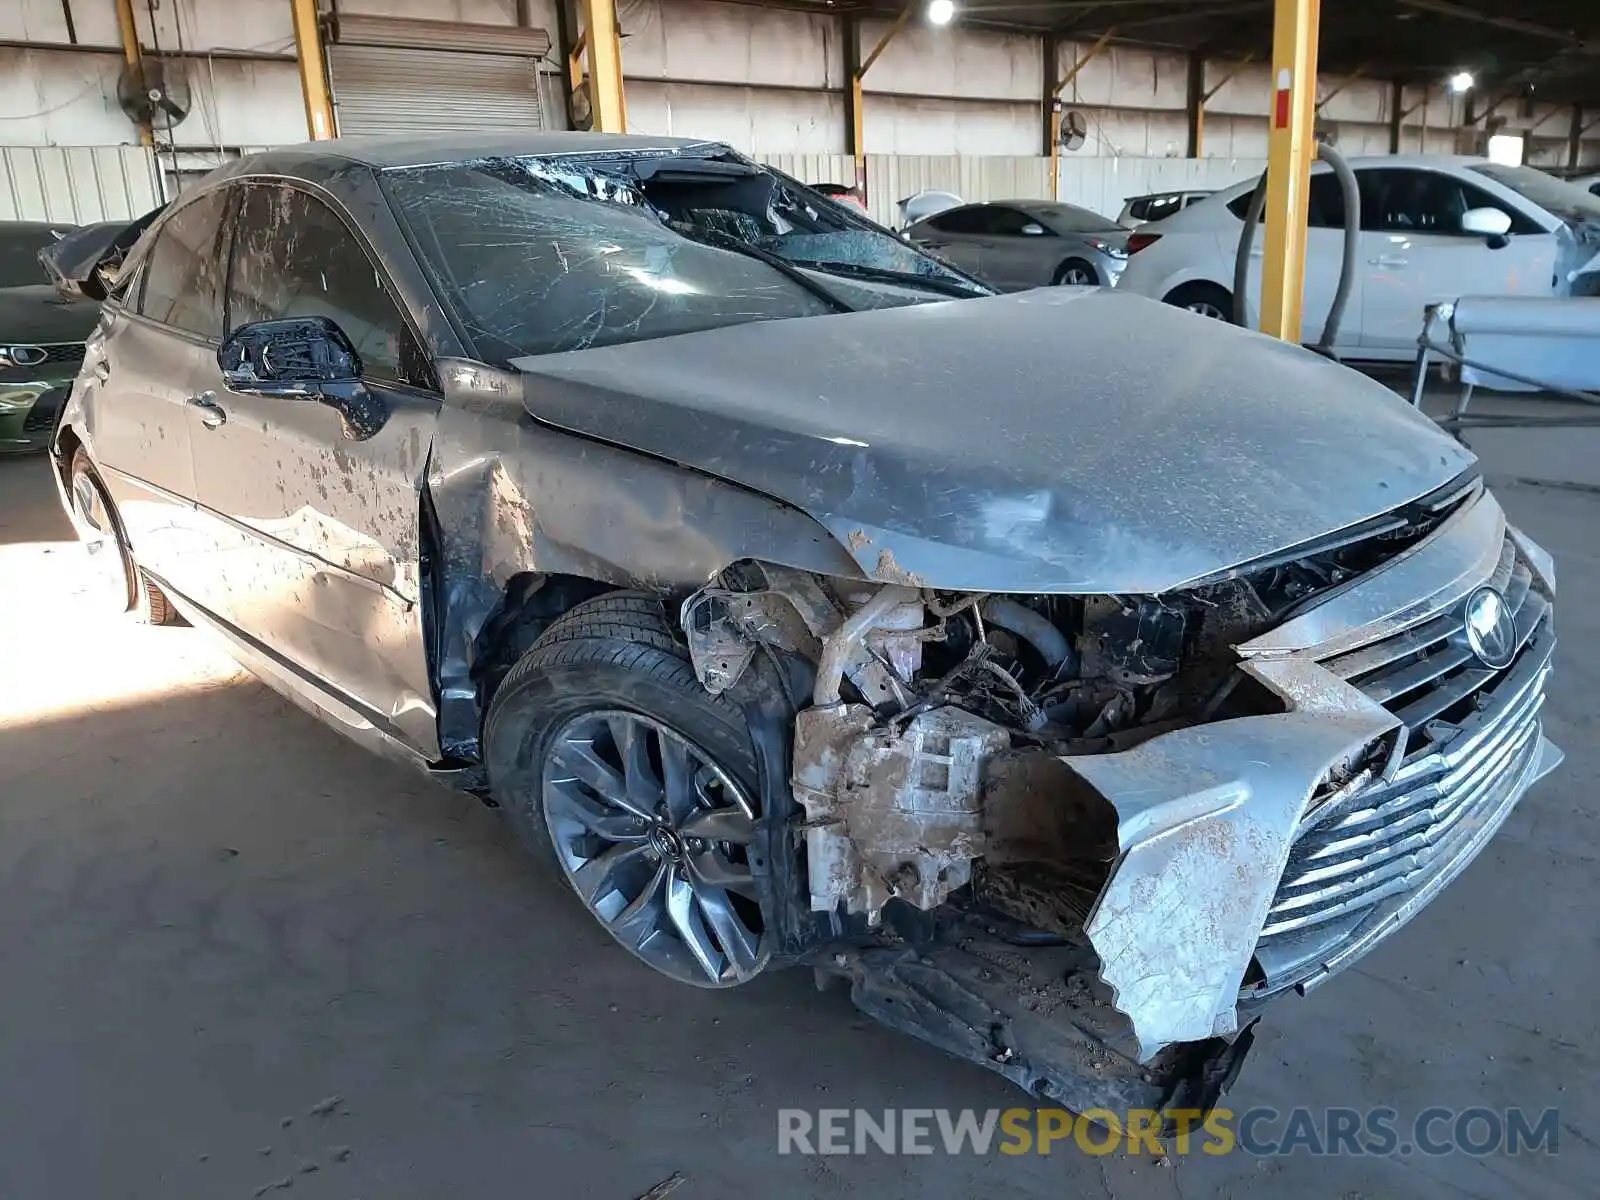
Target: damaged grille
1471	734
42	416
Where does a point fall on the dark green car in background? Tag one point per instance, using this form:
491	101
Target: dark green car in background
41	337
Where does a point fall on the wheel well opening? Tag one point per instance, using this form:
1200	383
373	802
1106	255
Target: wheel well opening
1197	287
67	444
531	603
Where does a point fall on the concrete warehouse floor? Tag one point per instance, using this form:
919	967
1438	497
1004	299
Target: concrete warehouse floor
239	951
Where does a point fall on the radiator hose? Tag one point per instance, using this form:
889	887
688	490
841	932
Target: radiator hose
1347	268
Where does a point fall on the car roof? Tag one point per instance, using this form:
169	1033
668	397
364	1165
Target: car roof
386	152
1457	162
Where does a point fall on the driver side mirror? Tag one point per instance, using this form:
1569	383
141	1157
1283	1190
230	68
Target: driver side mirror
298	357
1033	229
303	358
1489	223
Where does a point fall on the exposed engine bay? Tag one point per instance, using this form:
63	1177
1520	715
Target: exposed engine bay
926	702
937	770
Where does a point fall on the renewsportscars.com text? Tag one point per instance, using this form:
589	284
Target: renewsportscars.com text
1257	1131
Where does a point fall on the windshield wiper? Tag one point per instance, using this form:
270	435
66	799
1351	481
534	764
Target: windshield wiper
932	283
726	241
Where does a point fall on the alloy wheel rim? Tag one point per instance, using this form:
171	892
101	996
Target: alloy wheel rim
1206	309
657	840
1077	277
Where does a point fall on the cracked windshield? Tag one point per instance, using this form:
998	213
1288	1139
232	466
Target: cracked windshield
541	255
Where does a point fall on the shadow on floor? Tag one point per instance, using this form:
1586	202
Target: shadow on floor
29	508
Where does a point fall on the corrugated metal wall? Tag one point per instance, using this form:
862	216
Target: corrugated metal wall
81	184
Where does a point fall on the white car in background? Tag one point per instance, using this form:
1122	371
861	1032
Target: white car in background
1432	229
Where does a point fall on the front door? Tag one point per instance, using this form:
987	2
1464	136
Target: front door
1416	254
316	520
140	372
1018	252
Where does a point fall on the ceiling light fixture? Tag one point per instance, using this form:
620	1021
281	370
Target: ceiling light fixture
941	12
1461	81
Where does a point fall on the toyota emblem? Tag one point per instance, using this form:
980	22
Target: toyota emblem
27	356
1491	628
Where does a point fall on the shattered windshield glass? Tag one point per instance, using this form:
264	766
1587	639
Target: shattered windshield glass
542	255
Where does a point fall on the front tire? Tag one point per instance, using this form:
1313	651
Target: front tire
1204	299
100	529
1075	273
622	773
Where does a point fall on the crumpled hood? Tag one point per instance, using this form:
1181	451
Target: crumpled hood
1051	440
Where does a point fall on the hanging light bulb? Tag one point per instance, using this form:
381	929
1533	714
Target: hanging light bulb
941	12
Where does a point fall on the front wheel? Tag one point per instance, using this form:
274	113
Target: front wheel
116	574
1075	273
621	771
1205	299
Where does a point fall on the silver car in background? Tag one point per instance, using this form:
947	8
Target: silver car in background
1017	244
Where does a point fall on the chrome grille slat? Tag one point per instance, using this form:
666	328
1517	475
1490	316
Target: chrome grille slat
1446	696
1422	827
1385	805
1388	685
1380	654
1392	836
1401	874
1517	589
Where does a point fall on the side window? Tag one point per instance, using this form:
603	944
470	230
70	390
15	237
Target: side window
1413	201
1475	197
1325	202
1139	210
183	271
294	257
970	219
1239	206
1007	222
1160	206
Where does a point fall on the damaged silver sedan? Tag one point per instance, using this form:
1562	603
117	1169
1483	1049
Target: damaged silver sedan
1069	674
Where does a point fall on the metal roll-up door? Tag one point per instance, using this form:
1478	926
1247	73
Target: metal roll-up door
406	76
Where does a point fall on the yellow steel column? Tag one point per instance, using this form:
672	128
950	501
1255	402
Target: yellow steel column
1290	148
603	45
857	127
130	52
313	70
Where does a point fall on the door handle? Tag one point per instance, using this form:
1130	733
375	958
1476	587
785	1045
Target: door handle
212	414
101	369
1389	260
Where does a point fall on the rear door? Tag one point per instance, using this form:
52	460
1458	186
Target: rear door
957	236
316	522
1415	253
139	374
1324	261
